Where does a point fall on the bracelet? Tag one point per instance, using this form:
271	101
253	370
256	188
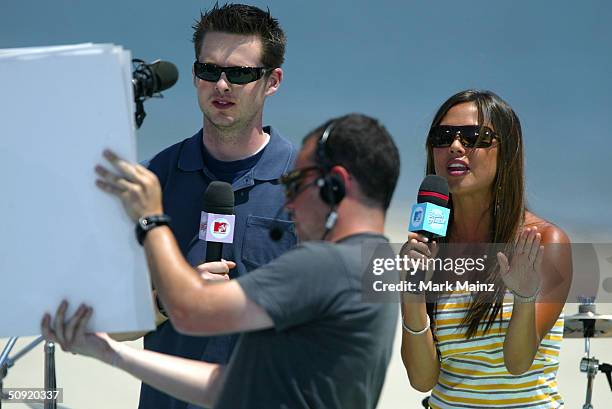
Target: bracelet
424	330
522	299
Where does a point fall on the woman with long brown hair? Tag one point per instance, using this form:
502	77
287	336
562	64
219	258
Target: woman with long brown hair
482	349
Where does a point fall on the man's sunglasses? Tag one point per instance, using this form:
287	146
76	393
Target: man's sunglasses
470	136
235	75
292	181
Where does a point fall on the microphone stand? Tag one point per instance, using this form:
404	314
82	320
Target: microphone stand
7	362
590	365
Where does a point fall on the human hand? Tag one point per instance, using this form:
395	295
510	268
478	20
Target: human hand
136	186
216	270
522	274
418	249
71	335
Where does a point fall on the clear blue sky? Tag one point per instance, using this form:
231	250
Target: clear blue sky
395	60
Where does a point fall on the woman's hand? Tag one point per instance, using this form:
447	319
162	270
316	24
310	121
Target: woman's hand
71	335
419	251
136	186
522	275
216	270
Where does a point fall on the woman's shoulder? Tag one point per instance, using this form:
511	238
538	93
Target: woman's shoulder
550	232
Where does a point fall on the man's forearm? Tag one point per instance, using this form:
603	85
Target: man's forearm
193	381
175	280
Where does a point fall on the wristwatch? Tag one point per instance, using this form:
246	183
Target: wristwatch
148	223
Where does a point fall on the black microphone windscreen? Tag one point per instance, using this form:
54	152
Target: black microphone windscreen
166	74
434	189
219	198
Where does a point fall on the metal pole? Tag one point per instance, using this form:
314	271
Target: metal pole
50	382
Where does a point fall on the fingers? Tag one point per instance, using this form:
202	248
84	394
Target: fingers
124	167
66	334
46	330
230	264
536	239
216	267
74	324
113	183
214	277
82	323
503	263
519	247
58	323
418	237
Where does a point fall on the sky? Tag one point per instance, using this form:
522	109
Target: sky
396	61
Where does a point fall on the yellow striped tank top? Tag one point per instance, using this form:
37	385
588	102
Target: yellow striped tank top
472	372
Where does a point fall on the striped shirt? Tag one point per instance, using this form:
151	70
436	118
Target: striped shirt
472	371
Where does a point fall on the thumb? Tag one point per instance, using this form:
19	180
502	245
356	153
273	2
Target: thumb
503	263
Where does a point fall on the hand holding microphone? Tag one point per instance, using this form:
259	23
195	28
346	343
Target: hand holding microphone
428	220
420	250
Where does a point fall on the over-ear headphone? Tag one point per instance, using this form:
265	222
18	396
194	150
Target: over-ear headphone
331	186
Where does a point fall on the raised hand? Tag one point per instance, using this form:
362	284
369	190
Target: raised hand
522	274
136	186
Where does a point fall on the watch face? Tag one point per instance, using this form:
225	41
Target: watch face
144	223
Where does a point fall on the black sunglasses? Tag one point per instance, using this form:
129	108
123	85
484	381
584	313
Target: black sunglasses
292	181
235	75
470	136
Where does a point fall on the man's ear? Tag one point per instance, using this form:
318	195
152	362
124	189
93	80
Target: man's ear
273	82
193	77
344	176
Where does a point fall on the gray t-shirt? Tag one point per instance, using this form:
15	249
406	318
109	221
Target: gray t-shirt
328	349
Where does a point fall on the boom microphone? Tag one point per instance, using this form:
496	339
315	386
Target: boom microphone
218	220
430	214
149	79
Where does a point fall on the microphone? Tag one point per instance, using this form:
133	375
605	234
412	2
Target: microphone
430	215
218	221
149	79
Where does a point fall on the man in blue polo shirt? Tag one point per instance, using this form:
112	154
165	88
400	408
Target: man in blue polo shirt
239	51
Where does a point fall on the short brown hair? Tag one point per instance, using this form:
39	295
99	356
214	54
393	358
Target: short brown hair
244	20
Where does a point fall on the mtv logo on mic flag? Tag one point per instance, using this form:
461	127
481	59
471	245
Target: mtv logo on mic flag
217	227
430	218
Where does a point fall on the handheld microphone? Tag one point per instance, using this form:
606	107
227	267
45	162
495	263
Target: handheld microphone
430	215
149	79
218	221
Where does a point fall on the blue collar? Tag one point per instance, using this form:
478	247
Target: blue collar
277	158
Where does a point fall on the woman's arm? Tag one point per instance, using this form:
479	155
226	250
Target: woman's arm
532	320
193	381
418	350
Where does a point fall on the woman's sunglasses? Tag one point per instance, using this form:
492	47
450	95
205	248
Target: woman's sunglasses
470	136
235	75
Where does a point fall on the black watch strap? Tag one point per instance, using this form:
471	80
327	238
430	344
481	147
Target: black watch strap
147	223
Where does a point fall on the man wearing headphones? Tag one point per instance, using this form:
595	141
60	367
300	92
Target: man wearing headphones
309	341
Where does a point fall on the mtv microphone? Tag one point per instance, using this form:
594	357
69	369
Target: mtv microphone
430	215
217	221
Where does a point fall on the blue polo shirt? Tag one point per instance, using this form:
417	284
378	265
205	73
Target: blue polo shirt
184	176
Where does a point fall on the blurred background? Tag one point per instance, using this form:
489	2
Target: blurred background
397	61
